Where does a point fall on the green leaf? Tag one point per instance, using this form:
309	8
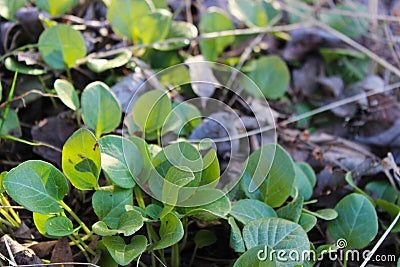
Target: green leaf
100	107
147	168
123	253
352	27
211	170
357	221
61	46
11	126
183	118
12	65
171	231
215	210
292	211
151	110
121	160
304	180
9	7
125	16
153	211
350	181
59	226
325	214
154	26
109	204
254	13
99	65
270	74
40	222
178	29
214	20
392	210
246	210
36	185
204	238
250	258
383	190
56	7
175	179
236	241
307	221
277	234
272	169
129	223
81	159
67	94
106	259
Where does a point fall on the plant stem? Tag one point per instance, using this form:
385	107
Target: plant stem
175	258
69	76
73	214
5	202
10	96
87	248
345	256
78	118
77	243
193	256
185	235
84	238
139	197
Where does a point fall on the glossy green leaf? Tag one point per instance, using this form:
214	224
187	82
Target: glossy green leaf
383	190
12	65
214	20
100	107
277	234
204	238
350	181
67	94
36	185
176	178
307	221
99	65
129	223
291	211
250	258
246	210
325	214
211	170
109	204
304	180
61	46
59	226
350	26
147	168
184	117
56	7
106	259
179	29
40	219
151	110
154	26
208	212
272	168
270	74
357	221
11	125
236	241
121	160
125	16
392	209
171	232
154	211
254	13
81	159
124	253
9	7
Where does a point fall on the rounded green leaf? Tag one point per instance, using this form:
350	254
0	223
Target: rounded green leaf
121	160
100	64
254	13
270	74
383	190
236	241
125	16
214	20
109	204
11	125
277	234
56	7
307	221
178	29
204	238
9	7
171	232
67	94
246	210
183	118
59	226
292	211
100	107
124	253
154	26
151	110
357	221
61	46
250	258
304	180
324	214
36	185
272	168
129	222
81	159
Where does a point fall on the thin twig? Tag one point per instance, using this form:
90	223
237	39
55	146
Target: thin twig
205	36
2	105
